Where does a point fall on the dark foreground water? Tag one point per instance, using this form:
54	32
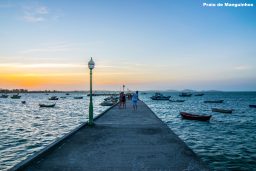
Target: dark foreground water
227	142
26	129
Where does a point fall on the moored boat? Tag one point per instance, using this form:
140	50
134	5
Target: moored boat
190	116
184	94
107	103
159	96
54	98
222	110
213	101
79	97
15	96
199	94
4	96
47	105
252	106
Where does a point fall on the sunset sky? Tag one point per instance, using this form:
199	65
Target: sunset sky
144	44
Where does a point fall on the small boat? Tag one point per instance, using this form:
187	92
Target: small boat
54	98
47	105
67	94
23	102
16	96
107	103
184	94
252	106
112	98
177	100
190	116
222	110
213	101
63	97
4	96
199	94
80	97
159	96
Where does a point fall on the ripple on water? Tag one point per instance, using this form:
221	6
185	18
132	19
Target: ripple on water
227	141
26	129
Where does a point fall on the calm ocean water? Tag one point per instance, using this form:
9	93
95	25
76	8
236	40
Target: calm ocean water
227	142
26	129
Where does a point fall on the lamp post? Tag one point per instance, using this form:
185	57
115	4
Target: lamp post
91	66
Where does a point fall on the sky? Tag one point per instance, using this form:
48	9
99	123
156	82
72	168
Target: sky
144	44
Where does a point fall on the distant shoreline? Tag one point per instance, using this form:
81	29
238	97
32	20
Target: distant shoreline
6	91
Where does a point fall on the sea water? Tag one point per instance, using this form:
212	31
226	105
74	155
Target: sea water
226	142
27	128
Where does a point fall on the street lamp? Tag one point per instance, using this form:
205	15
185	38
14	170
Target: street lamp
91	66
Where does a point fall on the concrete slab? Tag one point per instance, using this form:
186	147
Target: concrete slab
122	139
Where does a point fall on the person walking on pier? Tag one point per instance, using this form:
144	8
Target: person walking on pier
120	100
134	101
124	100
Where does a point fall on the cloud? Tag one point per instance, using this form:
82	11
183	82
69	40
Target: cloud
42	65
35	14
242	67
58	47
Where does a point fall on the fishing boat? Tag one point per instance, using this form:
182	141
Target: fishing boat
80	97
213	101
177	100
184	94
4	96
47	105
112	98
15	96
159	96
252	106
107	103
54	98
222	110
190	116
199	94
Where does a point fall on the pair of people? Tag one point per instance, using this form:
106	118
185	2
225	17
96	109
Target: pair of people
122	100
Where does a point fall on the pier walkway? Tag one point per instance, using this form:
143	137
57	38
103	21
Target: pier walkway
122	139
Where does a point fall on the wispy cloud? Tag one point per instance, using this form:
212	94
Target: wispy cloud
43	65
35	14
6	5
58	47
242	67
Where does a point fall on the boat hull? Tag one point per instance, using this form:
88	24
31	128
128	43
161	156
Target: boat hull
252	106
161	98
44	105
189	116
213	101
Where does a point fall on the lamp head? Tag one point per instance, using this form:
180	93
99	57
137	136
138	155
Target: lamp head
91	64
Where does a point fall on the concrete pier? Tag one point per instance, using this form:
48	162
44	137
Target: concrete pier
122	139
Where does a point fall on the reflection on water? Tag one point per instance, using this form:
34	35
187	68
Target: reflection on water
227	141
27	128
